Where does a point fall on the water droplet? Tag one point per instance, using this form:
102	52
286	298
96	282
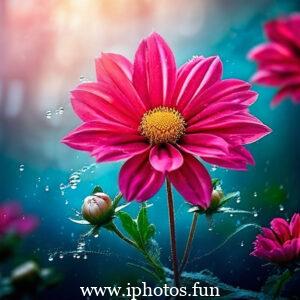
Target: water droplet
210	228
47	189
48	114
85	256
61	110
255	194
238	200
83	79
21	168
74	180
281	207
50	258
255	214
66	202
214	168
231	215
242	243
61	256
96	235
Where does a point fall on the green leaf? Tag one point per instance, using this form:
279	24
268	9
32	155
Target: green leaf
275	284
215	182
97	189
81	221
151	232
117	209
143	224
239	229
228	197
130	226
229	210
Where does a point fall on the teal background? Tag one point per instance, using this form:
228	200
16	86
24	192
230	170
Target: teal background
271	187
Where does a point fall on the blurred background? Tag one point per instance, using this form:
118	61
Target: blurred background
48	47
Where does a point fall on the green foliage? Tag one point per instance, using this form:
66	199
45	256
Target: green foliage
275	195
276	283
97	189
215	182
130	226
206	278
142	233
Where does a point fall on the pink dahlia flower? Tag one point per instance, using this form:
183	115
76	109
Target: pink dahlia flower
279	60
160	118
281	243
13	220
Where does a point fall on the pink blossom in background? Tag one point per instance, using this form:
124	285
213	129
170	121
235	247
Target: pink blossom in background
160	118
13	220
279	59
281	243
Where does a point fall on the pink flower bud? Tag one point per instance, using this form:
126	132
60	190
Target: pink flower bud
97	209
216	197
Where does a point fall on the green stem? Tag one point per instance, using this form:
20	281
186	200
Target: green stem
114	229
189	242
172	233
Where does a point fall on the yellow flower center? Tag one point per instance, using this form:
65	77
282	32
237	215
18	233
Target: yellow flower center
162	125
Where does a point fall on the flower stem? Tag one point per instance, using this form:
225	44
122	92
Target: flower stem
172	233
189	242
114	228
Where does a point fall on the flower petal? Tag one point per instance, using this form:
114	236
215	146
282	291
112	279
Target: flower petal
115	73
240	129
122	62
195	77
94	101
165	158
295	226
203	144
237	159
193	182
154	72
281	229
138	180
91	135
233	91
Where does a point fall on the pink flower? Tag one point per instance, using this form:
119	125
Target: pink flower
159	118
281	243
13	220
279	60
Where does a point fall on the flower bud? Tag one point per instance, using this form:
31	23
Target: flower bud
27	274
216	197
97	209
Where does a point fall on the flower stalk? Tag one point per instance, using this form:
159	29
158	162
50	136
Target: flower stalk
172	233
189	242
